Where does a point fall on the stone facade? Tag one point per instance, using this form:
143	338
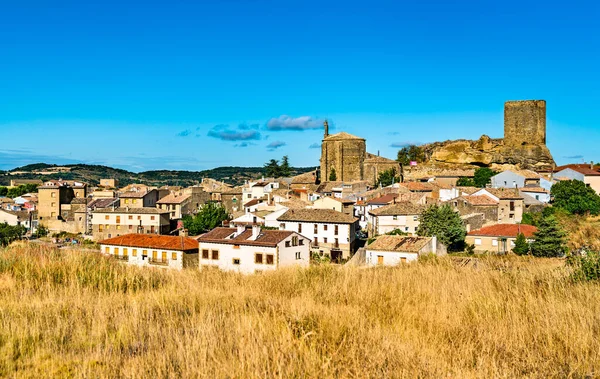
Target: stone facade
525	123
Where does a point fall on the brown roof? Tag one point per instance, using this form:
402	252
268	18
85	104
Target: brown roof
133	194
399	243
341	136
505	193
173	198
153	241
468	190
399	208
584	169
317	215
505	230
528	174
254	202
418	186
21	215
329	186
306	178
232	191
145	210
294	204
268	238
385	199
372	158
534	189
480	200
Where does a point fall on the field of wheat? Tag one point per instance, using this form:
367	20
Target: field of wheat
83	315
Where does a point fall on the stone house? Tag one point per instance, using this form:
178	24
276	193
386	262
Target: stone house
152	250
113	222
510	203
232	199
252	250
54	203
340	205
139	199
394	250
499	238
177	204
402	215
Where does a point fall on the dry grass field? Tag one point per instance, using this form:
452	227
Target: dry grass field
82	315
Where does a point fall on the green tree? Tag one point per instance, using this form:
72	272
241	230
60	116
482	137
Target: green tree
388	177
9	233
272	168
483	176
332	175
410	153
41	231
285	169
465	182
585	266
521	245
3	191
208	217
445	224
575	197
549	239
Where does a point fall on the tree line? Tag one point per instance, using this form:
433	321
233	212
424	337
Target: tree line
18	191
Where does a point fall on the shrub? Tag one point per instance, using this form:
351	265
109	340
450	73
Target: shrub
586	266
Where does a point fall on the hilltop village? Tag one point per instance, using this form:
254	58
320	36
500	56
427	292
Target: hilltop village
356	208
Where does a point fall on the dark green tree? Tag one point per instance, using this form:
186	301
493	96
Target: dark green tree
575	197
208	217
483	176
388	177
3	191
445	224
521	245
549	239
332	175
272	168
9	233
284	168
465	182
410	153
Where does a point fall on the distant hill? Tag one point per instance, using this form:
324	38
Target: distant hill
93	173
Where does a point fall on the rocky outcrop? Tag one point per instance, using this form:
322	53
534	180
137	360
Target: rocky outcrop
488	152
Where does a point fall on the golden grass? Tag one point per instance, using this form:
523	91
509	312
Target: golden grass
82	315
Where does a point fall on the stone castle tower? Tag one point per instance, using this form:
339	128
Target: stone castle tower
524	123
343	153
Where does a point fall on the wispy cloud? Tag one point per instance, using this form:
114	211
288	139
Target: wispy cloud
573	157
244	144
184	133
393	133
285	122
275	145
227	133
315	146
405	143
248	127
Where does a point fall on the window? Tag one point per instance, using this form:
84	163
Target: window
107	250
53	204
324	239
204	253
316	229
116	252
151	217
316	241
258	258
174	256
152	229
494	242
53	194
106	226
287	243
106	217
294	241
395	217
100	228
415	218
126	201
154	255
325	227
134	201
118	227
236	246
406	228
537	197
301	242
164	256
512	206
130	227
53	214
282	226
130	217
134	252
298	255
249	196
144	253
336	243
477	241
402	259
215	254
270	259
139	217
236	261
124	252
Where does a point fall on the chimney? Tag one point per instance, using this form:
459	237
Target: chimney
240	230
326	125
591	165
255	232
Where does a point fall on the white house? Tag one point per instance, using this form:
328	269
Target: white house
538	193
332	233
23	218
258	190
248	218
393	250
402	215
340	205
271	219
153	250
252	250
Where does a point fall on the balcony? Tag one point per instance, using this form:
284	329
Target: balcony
157	262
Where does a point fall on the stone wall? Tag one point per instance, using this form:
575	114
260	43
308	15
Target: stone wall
346	156
525	123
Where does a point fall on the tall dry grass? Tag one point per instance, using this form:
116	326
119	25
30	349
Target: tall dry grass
82	315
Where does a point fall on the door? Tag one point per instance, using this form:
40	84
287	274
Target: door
380	259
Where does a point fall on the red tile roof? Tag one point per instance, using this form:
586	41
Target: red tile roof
505	230
153	241
269	238
584	169
385	199
534	189
418	186
480	200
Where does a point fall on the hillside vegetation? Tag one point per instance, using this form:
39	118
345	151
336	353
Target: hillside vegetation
93	173
80	314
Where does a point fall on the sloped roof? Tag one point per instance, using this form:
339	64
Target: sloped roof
399	208
505	193
385	199
372	158
134	194
418	186
21	215
468	190
173	198
269	238
144	210
232	191
306	178
317	215
480	200
153	241
399	243
341	136
534	189
584	169
505	230
329	186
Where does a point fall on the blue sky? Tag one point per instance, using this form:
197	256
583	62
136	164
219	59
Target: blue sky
195	85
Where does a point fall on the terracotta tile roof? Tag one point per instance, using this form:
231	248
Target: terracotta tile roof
21	215
341	136
231	191
102	203
133	194
144	210
254	202
306	178
505	230
399	243
505	193
173	198
329	186
534	189
268	238
468	190
399	208
153	241
584	169
528	174
480	200
385	199
294	204
418	186
317	215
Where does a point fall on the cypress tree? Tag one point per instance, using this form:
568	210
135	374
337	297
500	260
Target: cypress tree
521	245
549	239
